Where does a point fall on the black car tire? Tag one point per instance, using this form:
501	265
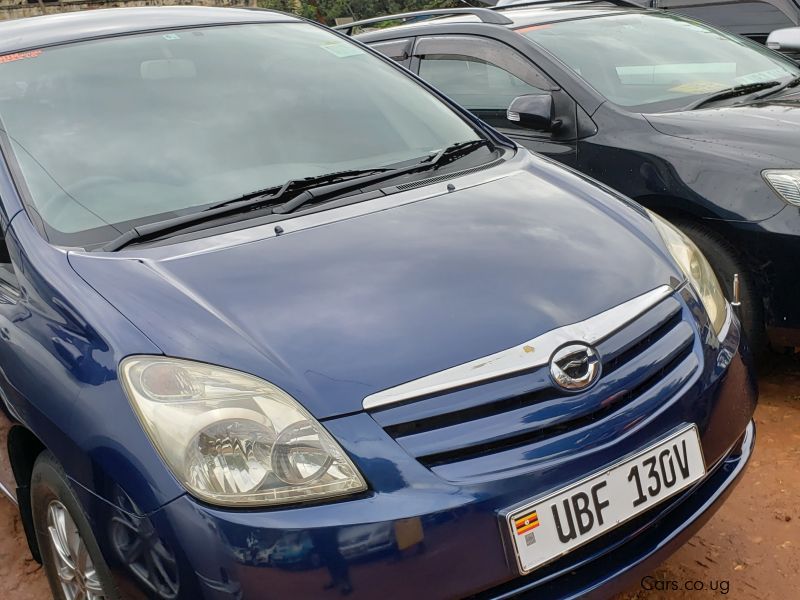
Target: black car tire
725	261
49	485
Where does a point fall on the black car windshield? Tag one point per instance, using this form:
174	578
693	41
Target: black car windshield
119	132
658	61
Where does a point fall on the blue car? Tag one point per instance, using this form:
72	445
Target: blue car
277	319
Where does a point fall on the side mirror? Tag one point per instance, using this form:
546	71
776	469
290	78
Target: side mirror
534	111
785	40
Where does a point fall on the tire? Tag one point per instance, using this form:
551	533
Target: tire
726	261
56	508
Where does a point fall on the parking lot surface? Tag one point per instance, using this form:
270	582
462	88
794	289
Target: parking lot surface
750	549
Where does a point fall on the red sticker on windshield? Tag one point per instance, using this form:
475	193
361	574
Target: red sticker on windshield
533	28
19	56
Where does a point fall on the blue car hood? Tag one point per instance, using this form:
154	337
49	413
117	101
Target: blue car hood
379	295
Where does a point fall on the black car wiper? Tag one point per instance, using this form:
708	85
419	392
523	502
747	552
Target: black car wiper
435	161
245	203
734	92
271	194
793	82
311	188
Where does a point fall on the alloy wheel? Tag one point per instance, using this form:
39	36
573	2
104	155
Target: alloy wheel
75	569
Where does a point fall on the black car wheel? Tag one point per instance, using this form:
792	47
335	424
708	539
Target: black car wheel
71	557
725	261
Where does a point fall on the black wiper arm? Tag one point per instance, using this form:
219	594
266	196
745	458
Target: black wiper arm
271	195
247	202
793	82
435	161
310	189
734	92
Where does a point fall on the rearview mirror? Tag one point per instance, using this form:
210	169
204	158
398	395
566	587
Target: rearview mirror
785	40
534	111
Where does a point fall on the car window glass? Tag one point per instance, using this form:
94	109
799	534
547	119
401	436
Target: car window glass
740	17
658	61
474	83
118	132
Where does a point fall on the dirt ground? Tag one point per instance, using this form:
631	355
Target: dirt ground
750	549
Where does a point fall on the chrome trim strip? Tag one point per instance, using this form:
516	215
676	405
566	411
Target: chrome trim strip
8	493
723	333
530	354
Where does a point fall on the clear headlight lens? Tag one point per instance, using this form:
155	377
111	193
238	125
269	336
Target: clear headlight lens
234	439
785	182
697	270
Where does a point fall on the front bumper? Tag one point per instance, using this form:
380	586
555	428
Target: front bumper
445	535
434	567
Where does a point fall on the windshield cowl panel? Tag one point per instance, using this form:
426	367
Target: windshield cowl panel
123	132
656	62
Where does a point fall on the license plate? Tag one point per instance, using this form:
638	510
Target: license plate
544	529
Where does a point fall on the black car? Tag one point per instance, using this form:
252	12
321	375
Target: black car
697	124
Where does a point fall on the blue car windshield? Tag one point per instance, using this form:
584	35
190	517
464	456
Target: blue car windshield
652	61
123	131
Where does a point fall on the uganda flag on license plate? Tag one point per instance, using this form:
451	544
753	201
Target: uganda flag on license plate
526	523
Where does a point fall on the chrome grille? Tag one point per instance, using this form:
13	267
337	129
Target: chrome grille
649	357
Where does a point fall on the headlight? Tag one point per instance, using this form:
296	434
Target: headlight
697	270
785	182
234	439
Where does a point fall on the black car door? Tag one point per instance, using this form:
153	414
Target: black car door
484	76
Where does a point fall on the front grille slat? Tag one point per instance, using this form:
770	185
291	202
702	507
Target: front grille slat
543	416
651	356
463	467
446	405
638	335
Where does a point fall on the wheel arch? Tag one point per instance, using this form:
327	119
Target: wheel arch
23	449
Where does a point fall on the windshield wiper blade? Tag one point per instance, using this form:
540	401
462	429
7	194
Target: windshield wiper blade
434	161
734	92
311	188
271	194
245	203
793	82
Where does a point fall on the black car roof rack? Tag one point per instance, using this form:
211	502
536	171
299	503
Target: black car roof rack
486	15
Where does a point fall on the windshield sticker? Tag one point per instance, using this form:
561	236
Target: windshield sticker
533	28
342	49
171	36
19	56
698	87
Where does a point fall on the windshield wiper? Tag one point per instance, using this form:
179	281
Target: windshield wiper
316	188
734	92
247	202
271	194
793	82
435	161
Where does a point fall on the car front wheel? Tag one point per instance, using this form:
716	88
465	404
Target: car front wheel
70	555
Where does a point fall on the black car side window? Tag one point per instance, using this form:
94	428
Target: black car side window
480	74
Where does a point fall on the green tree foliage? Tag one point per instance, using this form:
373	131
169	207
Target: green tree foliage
325	11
